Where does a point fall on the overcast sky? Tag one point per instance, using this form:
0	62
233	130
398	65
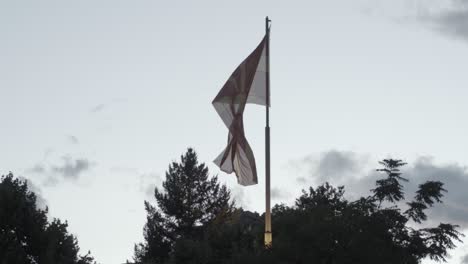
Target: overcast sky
98	97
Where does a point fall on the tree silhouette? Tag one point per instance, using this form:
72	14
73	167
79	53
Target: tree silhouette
390	188
189	201
321	227
26	237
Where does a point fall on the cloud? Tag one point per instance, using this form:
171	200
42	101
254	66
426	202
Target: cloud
453	21
51	180
72	168
279	194
301	180
98	108
465	260
360	176
331	165
447	17
335	164
455	178
51	172
38	168
73	139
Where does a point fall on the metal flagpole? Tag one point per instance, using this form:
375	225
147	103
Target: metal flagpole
268	235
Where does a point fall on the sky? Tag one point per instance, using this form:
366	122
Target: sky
98	97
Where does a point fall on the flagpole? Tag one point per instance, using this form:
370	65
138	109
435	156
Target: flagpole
268	234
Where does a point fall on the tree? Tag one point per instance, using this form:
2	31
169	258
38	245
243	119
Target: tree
26	236
187	204
323	227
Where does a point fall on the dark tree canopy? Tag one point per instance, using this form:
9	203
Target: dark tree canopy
26	237
321	227
187	204
390	188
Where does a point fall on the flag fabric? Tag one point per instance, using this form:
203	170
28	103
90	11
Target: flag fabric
247	84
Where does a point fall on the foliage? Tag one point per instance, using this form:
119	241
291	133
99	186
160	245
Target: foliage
26	236
189	202
321	227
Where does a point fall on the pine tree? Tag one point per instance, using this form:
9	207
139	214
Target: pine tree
188	202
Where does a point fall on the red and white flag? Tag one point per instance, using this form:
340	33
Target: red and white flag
247	84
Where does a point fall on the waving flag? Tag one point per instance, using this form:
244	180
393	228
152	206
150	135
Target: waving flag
247	84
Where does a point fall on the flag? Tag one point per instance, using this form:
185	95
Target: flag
247	84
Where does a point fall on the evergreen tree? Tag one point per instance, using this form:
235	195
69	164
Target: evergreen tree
188	202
